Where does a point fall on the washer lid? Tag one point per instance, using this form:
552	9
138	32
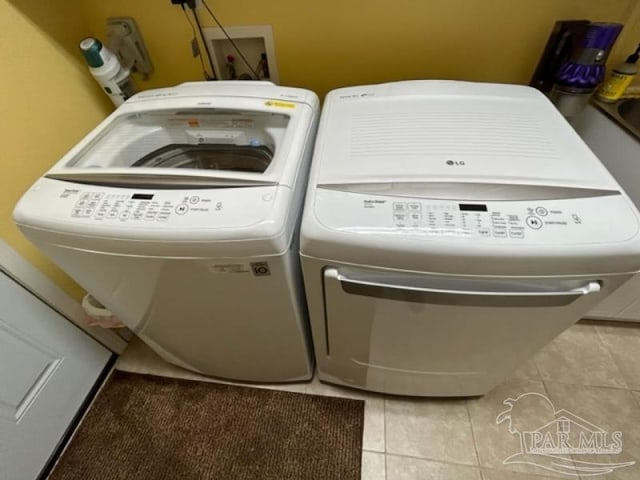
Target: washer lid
446	131
196	136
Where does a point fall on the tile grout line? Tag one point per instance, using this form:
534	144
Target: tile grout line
615	362
611	357
384	434
434	460
528	474
385	467
608	387
548	395
473	434
613	387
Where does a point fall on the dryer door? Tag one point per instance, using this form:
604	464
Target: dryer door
444	336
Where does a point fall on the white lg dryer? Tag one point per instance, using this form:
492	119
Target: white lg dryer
450	231
180	214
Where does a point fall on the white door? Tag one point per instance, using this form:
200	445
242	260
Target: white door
48	366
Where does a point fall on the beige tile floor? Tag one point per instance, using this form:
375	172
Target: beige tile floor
592	371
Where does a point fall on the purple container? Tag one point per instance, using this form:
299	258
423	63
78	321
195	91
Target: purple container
585	67
580	75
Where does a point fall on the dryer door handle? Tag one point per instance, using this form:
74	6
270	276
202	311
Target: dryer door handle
481	298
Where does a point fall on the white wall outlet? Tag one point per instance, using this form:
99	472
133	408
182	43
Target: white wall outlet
253	42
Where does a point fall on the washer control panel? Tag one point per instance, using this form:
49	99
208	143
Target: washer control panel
139	207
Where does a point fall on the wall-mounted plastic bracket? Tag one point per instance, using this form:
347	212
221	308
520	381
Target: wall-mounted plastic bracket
125	40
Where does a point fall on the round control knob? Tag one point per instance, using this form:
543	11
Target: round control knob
543	212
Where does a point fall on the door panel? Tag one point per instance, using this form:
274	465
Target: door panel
425	335
20	386
48	366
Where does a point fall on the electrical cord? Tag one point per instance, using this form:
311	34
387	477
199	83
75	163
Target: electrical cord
230	40
204	40
193	29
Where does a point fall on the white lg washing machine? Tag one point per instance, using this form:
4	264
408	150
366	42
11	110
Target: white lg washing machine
450	231
180	214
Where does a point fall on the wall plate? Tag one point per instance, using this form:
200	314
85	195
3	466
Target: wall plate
252	41
124	39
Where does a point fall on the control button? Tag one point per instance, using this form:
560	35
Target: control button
76	212
137	216
92	204
85	196
416	217
163	217
399	207
194	199
399	217
112	214
415	207
500	232
543	212
88	212
576	218
516	233
124	215
81	203
534	222
182	209
96	196
484	232
150	216
99	216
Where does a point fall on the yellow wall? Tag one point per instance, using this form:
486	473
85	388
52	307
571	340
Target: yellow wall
48	102
326	44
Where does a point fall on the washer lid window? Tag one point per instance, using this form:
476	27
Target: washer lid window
203	147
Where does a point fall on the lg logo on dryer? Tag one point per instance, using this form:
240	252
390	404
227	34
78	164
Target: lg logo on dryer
455	163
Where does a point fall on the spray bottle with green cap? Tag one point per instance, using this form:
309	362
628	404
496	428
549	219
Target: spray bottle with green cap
114	78
620	78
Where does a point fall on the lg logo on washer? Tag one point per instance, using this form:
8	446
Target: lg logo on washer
456	163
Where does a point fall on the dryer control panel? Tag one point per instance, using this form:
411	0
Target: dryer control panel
474	219
575	220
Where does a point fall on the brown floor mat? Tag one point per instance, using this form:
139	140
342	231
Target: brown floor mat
147	427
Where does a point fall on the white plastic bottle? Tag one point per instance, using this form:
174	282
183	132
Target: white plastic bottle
105	67
620	78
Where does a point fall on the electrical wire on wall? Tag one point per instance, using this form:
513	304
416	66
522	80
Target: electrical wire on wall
195	46
204	40
244	59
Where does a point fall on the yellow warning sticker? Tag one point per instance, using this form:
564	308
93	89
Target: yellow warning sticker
277	103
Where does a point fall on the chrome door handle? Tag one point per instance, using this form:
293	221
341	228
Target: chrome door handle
461	297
